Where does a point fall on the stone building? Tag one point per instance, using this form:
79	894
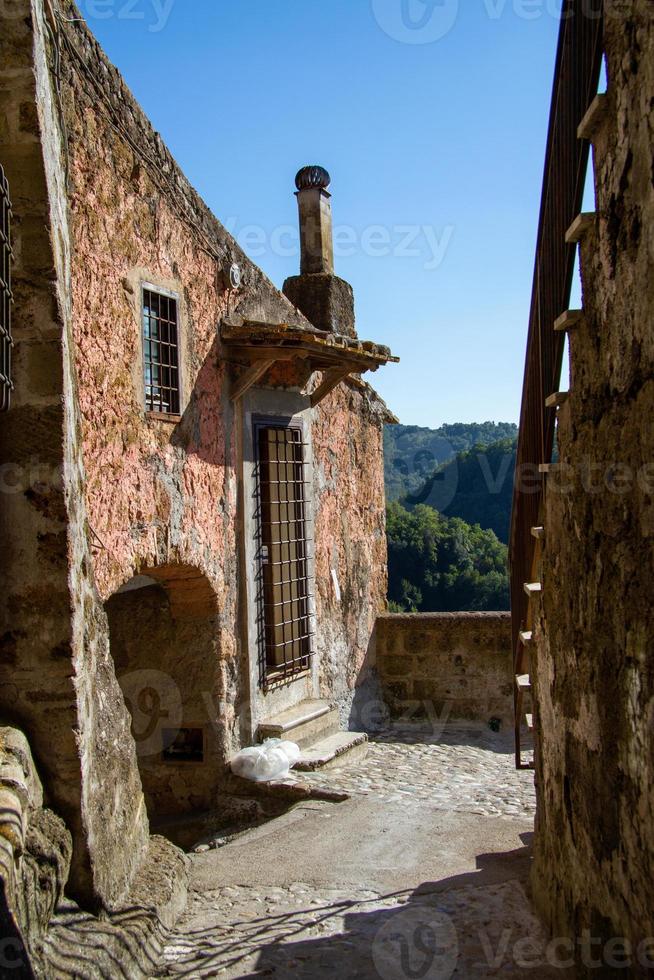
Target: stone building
192	513
587	624
192	516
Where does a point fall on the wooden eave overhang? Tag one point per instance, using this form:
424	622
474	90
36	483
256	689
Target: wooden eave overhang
258	346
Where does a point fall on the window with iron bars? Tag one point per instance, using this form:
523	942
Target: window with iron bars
284	552
6	297
161	352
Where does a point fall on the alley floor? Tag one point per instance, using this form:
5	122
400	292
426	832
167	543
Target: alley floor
421	873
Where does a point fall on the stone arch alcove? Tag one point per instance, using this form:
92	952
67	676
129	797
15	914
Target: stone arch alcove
165	638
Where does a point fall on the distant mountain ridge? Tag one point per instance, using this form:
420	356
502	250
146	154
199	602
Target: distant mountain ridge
413	453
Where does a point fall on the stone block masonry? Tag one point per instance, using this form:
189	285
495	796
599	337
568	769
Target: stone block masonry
447	666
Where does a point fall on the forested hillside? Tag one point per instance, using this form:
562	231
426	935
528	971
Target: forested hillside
442	564
412	453
476	486
448	516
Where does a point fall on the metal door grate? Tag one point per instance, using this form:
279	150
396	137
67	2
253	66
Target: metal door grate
284	552
160	353
6	296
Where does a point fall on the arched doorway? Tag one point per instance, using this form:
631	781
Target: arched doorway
164	633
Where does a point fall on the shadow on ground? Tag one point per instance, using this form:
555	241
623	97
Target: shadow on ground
469	923
452	734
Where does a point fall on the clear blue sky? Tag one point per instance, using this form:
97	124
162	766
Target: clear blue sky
446	135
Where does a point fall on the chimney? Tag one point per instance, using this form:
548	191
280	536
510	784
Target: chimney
314	206
325	300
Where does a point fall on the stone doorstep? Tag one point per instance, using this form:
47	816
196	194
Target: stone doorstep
305	724
341	748
315	727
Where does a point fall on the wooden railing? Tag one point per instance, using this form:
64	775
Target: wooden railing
578	67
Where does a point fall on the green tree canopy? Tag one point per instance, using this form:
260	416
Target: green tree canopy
439	563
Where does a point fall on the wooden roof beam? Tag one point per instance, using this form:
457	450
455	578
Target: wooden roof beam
249	378
330	380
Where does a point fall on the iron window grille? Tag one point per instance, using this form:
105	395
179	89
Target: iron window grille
6	296
284	553
161	352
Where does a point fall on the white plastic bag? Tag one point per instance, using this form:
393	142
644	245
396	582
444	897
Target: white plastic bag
292	751
267	762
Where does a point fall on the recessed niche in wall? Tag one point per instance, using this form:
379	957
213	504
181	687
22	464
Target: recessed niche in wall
183	745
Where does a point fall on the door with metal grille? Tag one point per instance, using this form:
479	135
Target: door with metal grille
6	255
285	633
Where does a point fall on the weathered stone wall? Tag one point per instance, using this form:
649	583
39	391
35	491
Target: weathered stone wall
101	491
594	681
165	492
350	531
56	678
168	659
158	492
450	666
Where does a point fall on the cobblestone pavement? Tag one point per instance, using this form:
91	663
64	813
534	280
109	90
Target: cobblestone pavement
467	770
261	922
469	932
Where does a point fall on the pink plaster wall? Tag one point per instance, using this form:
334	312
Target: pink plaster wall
159	493
350	538
153	489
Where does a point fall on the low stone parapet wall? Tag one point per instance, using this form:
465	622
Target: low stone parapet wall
447	666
